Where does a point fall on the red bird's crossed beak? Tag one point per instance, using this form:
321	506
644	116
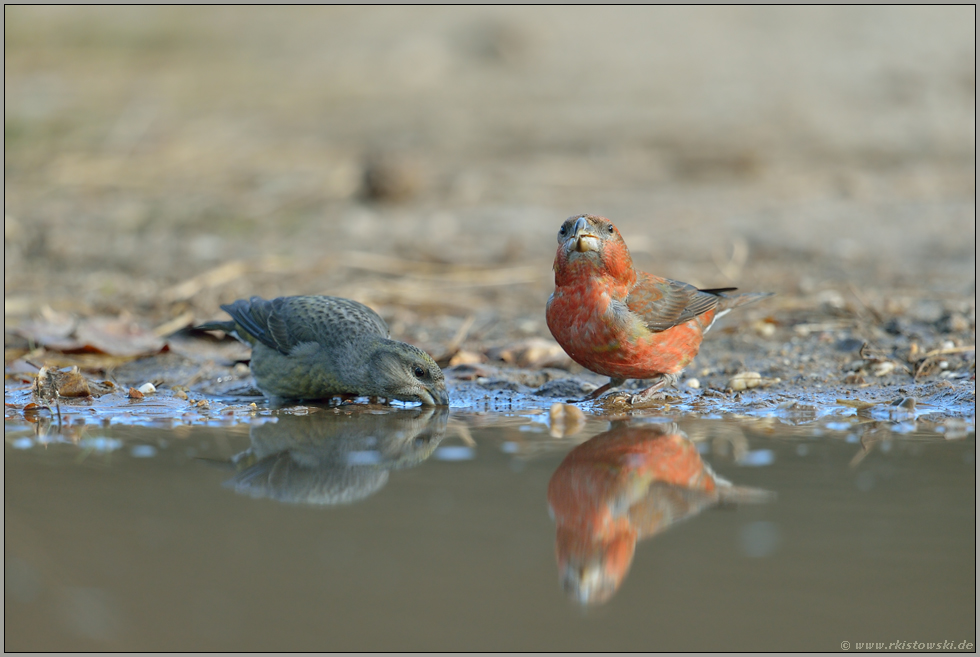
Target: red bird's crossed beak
584	239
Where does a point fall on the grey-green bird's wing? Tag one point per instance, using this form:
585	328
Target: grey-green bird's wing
287	322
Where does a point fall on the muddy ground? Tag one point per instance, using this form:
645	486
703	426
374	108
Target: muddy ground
162	161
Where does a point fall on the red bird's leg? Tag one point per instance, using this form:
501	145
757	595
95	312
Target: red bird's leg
613	383
656	391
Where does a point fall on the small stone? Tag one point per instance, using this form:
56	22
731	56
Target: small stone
957	323
391	177
73	384
927	310
849	344
565	420
746	380
693	383
883	368
954	429
831	299
147	388
135	394
907	403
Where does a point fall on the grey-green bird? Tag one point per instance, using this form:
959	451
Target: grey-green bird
315	347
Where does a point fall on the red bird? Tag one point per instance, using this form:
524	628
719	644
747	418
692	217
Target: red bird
623	323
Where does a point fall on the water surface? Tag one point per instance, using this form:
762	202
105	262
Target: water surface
409	529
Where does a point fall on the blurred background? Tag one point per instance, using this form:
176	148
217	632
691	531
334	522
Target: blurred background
160	161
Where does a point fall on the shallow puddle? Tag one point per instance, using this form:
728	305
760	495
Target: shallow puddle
171	525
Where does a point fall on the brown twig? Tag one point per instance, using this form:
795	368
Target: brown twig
218	276
181	321
921	365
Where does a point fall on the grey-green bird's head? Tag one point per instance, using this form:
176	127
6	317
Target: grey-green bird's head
401	371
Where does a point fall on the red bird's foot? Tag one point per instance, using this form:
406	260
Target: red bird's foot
656	391
595	394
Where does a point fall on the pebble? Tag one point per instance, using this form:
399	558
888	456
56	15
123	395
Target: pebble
746	380
565	420
927	310
954	429
883	368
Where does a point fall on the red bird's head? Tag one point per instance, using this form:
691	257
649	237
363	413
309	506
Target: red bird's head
590	245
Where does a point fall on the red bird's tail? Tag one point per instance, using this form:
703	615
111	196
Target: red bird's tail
728	301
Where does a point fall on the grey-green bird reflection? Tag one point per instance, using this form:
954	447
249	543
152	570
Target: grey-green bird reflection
328	458
315	347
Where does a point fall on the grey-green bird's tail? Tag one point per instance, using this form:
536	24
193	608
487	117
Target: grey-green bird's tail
244	327
227	327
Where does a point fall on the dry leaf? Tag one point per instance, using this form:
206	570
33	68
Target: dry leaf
118	337
112	336
54	331
466	358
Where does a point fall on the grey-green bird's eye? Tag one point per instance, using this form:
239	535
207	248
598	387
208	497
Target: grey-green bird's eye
419	372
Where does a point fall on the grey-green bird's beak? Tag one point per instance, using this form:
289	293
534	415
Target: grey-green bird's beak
437	395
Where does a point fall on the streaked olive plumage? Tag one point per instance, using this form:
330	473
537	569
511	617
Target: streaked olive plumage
315	347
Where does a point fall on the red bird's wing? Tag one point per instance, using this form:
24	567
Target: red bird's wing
662	303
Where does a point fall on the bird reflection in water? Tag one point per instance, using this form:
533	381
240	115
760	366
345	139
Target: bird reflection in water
327	458
620	487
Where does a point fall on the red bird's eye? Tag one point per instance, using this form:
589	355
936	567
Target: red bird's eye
611	229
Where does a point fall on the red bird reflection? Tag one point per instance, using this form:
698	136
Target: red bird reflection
622	486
